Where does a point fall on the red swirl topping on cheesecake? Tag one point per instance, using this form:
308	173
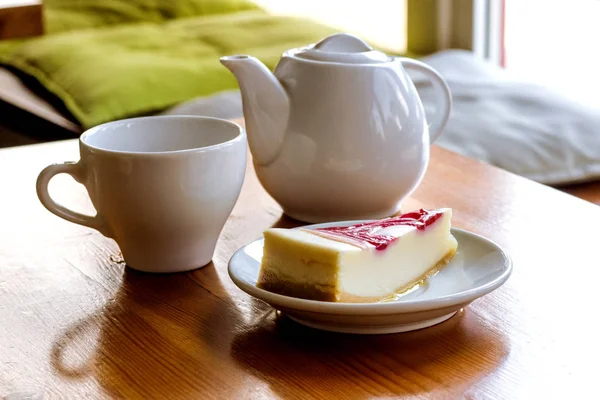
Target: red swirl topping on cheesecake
368	233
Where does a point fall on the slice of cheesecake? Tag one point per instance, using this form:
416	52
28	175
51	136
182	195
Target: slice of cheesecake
366	262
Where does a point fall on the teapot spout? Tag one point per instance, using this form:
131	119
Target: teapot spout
265	103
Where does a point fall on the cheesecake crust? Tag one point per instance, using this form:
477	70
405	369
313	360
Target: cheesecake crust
277	284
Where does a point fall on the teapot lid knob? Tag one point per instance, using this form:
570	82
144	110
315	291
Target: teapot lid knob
343	43
341	48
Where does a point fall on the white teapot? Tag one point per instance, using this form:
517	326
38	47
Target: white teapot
338	131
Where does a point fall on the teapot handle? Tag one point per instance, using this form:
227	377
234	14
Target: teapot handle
443	97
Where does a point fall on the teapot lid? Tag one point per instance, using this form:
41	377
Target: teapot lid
342	48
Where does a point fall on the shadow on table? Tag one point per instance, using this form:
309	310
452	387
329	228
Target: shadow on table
162	336
287	222
448	357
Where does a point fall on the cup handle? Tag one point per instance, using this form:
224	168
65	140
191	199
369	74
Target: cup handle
443	96
75	170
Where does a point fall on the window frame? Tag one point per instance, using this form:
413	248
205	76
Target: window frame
473	25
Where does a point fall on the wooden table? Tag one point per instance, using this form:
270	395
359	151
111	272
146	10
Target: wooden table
75	322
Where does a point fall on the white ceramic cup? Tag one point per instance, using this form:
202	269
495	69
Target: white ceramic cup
163	187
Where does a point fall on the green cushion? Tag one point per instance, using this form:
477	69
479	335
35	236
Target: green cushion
64	15
118	71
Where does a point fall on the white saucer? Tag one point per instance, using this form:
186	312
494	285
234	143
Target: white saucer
479	267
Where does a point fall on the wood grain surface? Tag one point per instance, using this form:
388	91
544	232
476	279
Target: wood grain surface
75	322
